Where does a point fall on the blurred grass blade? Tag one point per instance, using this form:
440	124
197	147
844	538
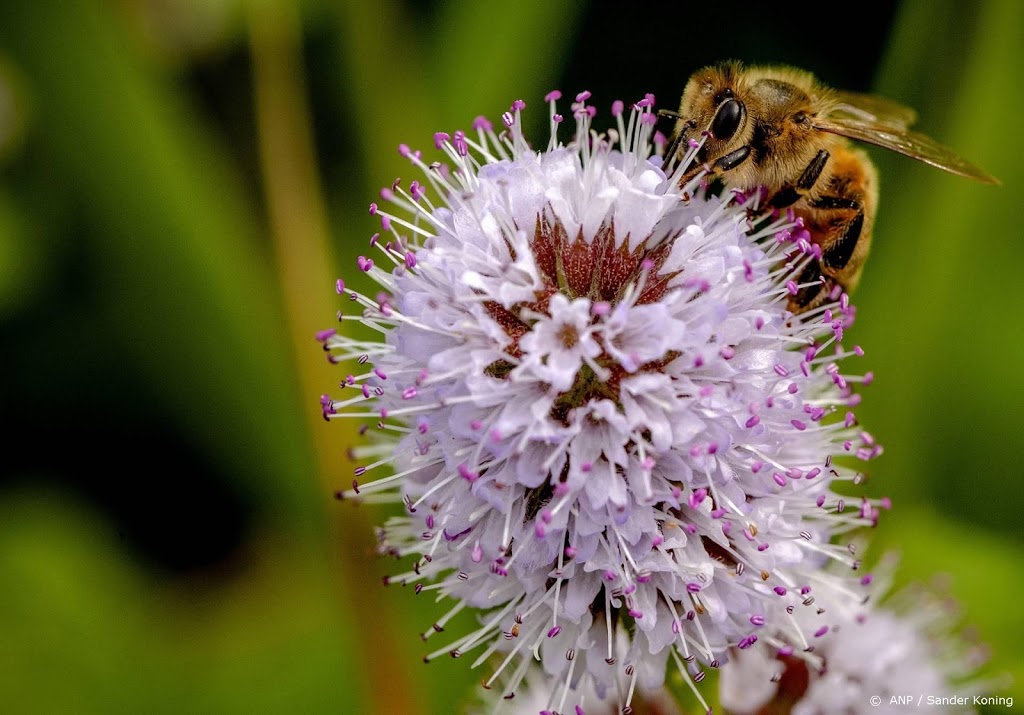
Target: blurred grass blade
481	63
299	235
184	278
944	262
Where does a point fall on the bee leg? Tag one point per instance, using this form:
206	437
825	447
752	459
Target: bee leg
789	195
815	288
721	165
838	253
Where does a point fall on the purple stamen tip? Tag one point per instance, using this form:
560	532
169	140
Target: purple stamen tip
482	123
440	138
553	96
583	96
518	105
554	631
617	108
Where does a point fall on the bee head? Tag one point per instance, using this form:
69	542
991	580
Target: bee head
713	110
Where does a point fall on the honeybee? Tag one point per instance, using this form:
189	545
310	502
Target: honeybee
778	127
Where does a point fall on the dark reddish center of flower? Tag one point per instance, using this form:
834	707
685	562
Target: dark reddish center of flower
601	270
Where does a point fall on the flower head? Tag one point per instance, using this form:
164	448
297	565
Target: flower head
601	418
873	658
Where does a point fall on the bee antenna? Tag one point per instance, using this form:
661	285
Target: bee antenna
673	150
673	147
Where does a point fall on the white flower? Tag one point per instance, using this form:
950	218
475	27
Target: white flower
558	343
877	659
598	412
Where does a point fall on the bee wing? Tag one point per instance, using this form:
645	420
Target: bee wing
902	140
872	109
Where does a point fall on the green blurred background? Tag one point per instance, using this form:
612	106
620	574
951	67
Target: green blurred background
180	183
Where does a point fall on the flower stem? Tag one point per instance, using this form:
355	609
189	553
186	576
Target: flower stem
298	229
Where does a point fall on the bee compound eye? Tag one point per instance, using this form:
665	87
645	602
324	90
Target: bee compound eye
727	119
